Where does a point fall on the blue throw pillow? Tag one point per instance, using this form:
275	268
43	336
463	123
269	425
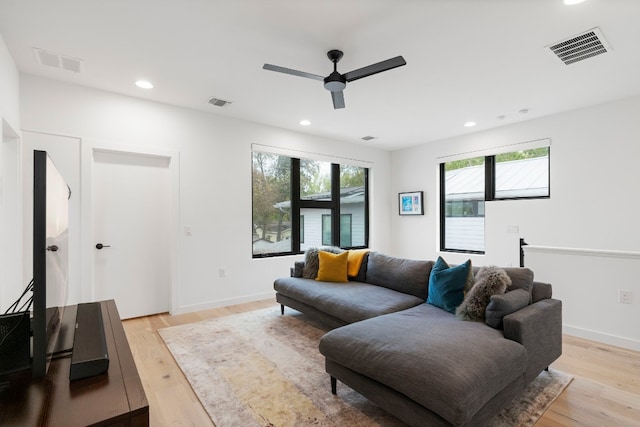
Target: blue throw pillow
446	284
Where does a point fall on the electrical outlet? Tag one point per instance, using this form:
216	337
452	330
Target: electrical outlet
625	297
513	229
222	272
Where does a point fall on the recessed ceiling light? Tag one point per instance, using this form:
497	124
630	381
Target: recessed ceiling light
572	2
469	124
305	122
144	84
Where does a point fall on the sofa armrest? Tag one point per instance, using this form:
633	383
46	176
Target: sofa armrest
538	327
297	269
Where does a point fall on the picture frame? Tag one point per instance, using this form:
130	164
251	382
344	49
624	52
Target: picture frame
411	203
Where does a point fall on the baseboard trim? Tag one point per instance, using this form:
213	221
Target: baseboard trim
617	341
223	303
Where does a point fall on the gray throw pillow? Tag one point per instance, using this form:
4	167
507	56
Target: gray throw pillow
521	278
489	281
312	263
501	305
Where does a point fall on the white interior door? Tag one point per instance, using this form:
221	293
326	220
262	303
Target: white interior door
131	219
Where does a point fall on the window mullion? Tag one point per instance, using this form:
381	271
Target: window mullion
489	178
335	204
295	205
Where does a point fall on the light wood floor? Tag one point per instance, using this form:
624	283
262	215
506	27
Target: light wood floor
605	390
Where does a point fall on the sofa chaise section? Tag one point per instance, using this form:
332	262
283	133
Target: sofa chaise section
428	356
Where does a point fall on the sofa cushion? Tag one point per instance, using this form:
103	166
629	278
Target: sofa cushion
540	291
453	368
332	267
349	302
521	278
501	305
446	284
489	281
402	275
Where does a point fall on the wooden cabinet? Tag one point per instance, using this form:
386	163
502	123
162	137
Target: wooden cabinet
115	398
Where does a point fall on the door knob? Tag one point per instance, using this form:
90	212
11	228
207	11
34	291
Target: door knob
100	246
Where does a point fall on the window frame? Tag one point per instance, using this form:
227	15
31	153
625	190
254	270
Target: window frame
489	195
298	203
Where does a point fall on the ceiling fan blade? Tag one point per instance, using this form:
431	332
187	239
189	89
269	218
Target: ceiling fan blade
292	72
338	99
379	67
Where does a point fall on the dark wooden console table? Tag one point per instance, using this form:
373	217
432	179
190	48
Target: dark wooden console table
113	398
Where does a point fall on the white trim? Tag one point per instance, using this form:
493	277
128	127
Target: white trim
601	337
309	155
518	146
11	216
223	303
583	252
87	151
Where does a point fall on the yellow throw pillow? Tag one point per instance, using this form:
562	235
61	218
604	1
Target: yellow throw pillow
354	261
333	267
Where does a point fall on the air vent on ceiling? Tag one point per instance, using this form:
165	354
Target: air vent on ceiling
586	45
56	60
218	102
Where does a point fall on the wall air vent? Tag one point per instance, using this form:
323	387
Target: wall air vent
56	60
218	102
586	45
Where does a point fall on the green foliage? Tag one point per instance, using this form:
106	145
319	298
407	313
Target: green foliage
504	157
521	155
271	183
351	176
464	163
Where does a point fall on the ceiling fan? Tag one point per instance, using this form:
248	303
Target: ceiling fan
336	82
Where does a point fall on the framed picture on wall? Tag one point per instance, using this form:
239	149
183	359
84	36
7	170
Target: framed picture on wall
411	203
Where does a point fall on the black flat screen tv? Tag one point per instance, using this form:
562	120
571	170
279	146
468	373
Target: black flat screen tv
50	259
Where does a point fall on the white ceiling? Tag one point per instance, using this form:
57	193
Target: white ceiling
467	60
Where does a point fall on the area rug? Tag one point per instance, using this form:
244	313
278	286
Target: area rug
263	369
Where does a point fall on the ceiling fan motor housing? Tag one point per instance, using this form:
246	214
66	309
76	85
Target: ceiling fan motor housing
335	82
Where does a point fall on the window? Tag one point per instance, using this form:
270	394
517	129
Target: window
465	186
522	174
326	229
463	189
271	179
345	230
296	203
353	203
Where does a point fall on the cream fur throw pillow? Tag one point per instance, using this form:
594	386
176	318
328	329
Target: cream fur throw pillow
489	281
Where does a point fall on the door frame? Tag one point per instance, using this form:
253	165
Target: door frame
88	148
11	218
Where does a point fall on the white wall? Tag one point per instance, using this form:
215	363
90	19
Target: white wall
11	280
215	179
593	205
9	88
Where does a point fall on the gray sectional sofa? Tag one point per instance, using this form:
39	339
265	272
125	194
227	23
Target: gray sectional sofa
417	361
